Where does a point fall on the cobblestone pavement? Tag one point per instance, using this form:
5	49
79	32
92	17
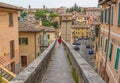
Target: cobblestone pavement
84	53
59	70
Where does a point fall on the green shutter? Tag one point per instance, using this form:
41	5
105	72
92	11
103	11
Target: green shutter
106	45
105	15
101	17
112	14
108	14
101	42
117	59
27	41
110	51
119	15
19	41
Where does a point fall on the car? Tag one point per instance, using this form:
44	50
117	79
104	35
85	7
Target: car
90	51
76	43
88	46
76	47
80	38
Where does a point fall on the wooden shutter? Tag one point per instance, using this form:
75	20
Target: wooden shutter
101	42
101	16
26	41
117	59
105	15
119	15
10	19
112	14
108	14
106	45
20	41
23	61
110	51
12	53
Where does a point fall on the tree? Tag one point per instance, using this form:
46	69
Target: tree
55	24
23	14
40	14
52	16
47	23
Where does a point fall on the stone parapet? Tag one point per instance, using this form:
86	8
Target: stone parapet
85	72
36	70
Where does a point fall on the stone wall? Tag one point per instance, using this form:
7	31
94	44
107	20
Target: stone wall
85	72
36	70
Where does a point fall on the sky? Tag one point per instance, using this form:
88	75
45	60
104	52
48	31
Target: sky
51	3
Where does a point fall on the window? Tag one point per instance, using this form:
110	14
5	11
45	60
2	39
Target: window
23	41
106	45
107	15
101	41
12	53
24	61
101	17
112	16
116	65
10	19
119	14
48	36
110	51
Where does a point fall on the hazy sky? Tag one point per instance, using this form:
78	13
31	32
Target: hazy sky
52	3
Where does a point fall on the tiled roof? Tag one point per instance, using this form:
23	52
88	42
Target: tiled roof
49	29
27	26
8	6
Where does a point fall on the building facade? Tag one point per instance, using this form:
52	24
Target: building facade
66	27
80	32
30	41
108	55
9	49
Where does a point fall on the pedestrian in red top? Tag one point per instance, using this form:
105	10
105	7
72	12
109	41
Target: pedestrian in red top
59	41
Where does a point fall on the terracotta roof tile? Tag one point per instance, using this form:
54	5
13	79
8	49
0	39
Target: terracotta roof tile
8	6
27	26
49	29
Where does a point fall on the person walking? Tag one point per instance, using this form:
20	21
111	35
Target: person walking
59	41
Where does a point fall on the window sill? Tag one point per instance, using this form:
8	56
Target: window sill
12	57
11	25
118	25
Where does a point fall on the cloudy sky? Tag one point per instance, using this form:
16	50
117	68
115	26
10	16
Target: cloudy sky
52	3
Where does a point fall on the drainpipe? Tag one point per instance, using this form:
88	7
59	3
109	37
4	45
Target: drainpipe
108	42
35	43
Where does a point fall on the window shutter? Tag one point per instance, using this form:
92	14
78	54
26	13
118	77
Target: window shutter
19	41
112	14
117	59
110	51
106	45
105	15
101	17
101	42
119	15
108	14
27	41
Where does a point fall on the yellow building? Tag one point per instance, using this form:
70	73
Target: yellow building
80	31
49	35
30	41
82	19
9	49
